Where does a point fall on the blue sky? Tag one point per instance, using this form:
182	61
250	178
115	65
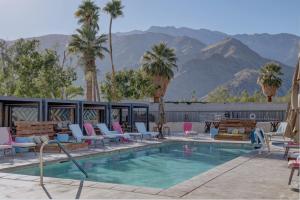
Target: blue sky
27	18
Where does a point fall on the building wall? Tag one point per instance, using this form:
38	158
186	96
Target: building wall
200	112
199	126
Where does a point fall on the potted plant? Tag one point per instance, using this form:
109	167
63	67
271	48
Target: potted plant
269	79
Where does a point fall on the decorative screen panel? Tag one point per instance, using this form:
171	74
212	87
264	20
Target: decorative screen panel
94	115
62	114
24	114
115	115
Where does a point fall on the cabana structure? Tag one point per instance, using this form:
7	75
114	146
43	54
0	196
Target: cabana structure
14	109
140	113
94	112
66	112
63	111
121	112
129	113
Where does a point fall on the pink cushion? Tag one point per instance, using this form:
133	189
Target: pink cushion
89	129
5	136
187	126
294	164
293	144
117	127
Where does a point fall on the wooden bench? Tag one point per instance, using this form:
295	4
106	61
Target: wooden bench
223	134
27	129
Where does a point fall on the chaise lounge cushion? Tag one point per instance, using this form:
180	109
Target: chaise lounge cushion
5	146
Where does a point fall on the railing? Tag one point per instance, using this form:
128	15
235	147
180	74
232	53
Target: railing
64	150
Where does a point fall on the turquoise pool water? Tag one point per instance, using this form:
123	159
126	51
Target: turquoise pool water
159	167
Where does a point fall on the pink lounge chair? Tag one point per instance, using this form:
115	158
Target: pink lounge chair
294	165
89	129
5	134
290	145
5	143
117	127
188	128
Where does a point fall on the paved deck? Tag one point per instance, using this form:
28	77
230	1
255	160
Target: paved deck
254	176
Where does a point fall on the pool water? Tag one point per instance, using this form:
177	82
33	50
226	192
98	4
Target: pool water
160	167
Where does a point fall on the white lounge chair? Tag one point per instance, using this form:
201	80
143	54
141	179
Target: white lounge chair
140	126
78	135
280	131
111	134
117	127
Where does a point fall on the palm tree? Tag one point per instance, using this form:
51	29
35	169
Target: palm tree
269	79
87	43
114	9
160	64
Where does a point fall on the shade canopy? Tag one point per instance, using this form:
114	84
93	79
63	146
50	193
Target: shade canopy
293	119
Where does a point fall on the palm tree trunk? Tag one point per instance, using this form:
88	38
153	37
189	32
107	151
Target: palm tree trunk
161	120
89	79
111	60
97	87
89	85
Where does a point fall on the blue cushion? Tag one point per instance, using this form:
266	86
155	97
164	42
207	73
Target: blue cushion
62	137
23	140
214	132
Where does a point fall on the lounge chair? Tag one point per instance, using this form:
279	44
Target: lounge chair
290	145
117	127
78	135
112	134
7	140
188	128
5	143
280	132
294	165
260	139
140	126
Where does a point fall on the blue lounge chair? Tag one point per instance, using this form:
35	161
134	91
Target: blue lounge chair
140	126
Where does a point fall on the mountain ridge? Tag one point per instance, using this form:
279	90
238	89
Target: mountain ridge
202	67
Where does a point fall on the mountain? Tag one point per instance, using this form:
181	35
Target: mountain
282	47
220	64
204	35
247	80
202	67
127	50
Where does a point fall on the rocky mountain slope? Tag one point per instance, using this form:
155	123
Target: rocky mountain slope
206	59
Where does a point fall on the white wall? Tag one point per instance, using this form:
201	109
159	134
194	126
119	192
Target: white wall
199	126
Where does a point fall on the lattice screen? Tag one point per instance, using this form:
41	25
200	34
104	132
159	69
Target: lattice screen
62	114
24	114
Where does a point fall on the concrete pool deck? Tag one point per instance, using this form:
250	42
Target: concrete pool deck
253	176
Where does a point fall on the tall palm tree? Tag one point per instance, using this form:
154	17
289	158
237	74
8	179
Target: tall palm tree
114	9
160	63
87	43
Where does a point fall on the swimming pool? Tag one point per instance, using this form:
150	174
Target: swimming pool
161	166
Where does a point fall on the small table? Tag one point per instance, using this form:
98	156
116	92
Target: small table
274	125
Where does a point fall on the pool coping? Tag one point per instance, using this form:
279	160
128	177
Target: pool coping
179	190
